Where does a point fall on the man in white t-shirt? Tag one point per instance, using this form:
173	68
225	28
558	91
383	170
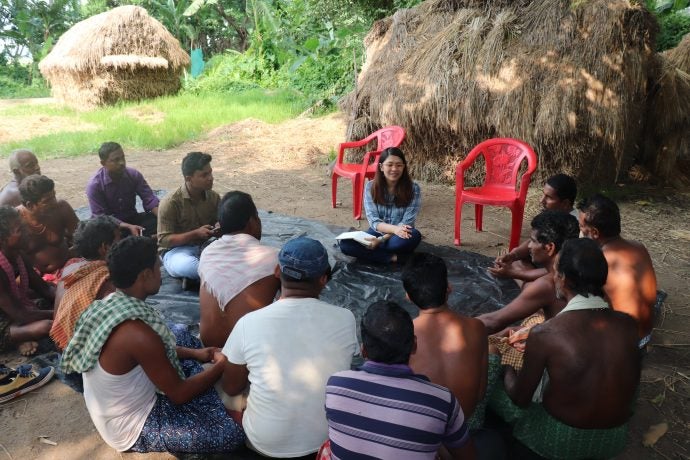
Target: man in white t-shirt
287	351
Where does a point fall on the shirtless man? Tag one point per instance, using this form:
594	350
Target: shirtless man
23	163
49	223
20	322
237	272
559	194
631	283
451	348
590	355
550	229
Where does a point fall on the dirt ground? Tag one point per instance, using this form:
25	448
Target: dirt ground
284	168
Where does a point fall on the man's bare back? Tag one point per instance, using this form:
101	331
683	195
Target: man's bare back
452	351
216	324
592	363
631	283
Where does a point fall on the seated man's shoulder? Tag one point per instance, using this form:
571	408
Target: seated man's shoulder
621	321
9	195
213	195
457	323
171	197
133	172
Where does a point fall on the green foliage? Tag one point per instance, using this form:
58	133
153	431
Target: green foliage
674	21
16	81
182	118
33	25
12	89
673	28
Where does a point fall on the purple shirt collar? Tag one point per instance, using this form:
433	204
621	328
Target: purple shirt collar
390	370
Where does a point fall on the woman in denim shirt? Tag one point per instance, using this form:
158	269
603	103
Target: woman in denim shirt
391	203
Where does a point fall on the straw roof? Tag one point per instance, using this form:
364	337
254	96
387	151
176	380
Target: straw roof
569	78
128	55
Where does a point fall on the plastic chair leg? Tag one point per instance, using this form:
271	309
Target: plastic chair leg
515	227
458	217
334	188
356	197
478	216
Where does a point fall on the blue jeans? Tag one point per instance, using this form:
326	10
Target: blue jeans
183	262
384	251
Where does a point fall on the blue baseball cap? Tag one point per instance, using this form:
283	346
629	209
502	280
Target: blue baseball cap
303	258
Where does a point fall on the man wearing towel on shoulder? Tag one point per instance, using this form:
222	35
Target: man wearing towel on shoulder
581	368
237	271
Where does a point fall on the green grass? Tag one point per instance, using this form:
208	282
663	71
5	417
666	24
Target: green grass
178	119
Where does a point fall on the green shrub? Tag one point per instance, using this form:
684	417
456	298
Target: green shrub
11	88
673	27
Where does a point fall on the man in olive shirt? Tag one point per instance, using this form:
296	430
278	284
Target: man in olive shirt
187	218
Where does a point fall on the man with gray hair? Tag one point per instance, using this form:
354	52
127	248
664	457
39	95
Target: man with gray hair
23	163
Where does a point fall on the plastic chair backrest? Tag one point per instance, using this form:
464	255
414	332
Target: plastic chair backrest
503	157
390	136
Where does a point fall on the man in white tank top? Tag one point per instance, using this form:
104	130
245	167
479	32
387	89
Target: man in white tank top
126	354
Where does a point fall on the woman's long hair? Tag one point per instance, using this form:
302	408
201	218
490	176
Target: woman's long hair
404	191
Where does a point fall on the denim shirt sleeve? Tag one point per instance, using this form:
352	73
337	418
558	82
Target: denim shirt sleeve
370	208
411	211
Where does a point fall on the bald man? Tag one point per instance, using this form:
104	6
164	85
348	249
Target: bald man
23	163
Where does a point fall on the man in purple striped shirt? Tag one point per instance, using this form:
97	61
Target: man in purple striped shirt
113	190
384	410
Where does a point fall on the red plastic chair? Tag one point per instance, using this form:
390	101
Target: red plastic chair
390	136
503	158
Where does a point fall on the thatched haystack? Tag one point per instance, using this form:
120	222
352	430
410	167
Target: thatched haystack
122	54
680	55
572	79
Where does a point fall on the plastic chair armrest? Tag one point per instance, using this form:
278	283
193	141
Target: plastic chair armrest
367	159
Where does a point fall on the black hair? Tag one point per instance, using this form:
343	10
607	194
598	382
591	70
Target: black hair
387	333
584	266
33	187
564	186
129	257
404	188
92	234
601	213
8	217
107	148
555	227
194	161
234	211
425	279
